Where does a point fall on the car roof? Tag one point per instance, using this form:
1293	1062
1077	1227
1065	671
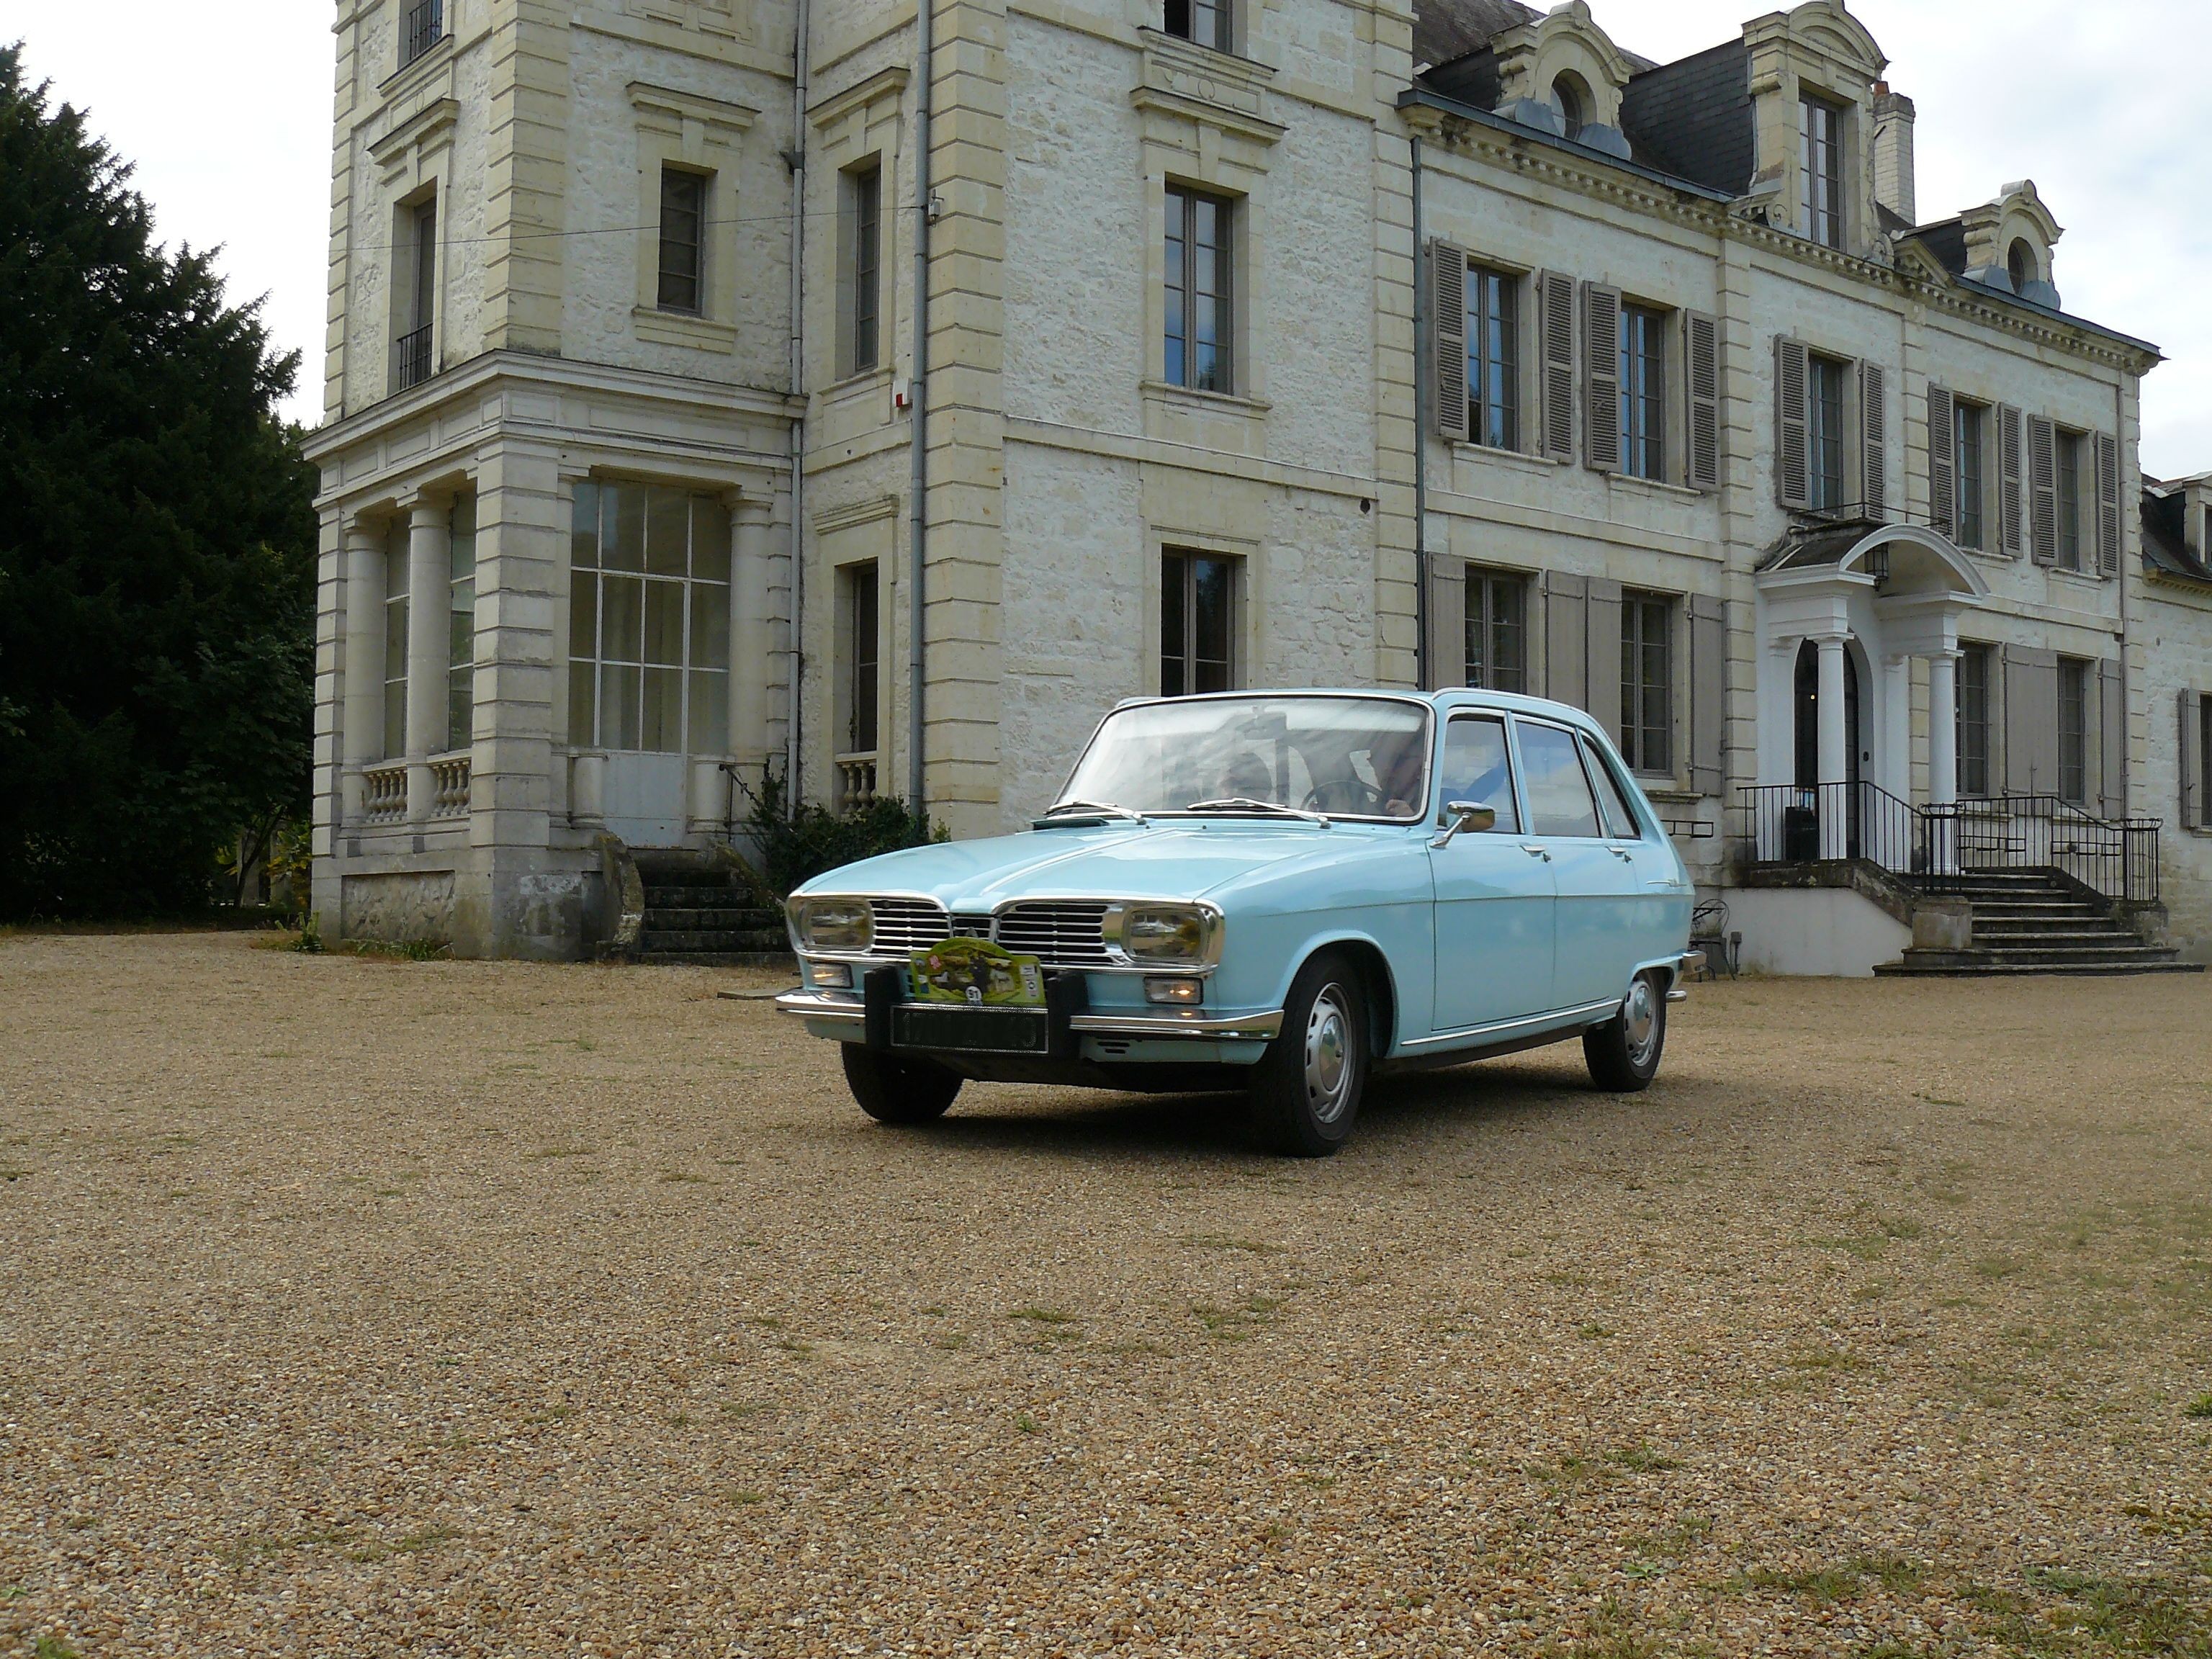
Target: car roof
1449	699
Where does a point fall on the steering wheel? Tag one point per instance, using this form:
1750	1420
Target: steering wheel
1344	795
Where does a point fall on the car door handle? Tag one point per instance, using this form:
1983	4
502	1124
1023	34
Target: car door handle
1622	853
1537	852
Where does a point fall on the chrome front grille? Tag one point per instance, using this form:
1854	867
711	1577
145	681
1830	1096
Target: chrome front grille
1058	935
903	926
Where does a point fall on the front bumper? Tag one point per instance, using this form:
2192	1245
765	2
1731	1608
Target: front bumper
849	1010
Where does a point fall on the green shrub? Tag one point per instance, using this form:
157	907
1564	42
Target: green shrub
795	843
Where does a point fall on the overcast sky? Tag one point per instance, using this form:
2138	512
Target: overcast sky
2101	105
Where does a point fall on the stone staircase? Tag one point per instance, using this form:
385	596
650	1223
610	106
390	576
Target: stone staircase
700	911
2029	922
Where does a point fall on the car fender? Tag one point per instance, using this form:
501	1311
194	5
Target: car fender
1329	937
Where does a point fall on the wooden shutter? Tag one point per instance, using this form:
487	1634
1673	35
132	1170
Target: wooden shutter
1793	463
2112	738
1555	349
2108	504
1601	672
2193	813
2008	443
1566	644
2042	490
1448	337
1874	438
1942	463
1701	357
1601	365
2030	717
1708	693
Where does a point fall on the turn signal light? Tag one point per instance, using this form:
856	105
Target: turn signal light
1181	993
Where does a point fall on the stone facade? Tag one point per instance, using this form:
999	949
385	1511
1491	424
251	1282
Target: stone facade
1355	149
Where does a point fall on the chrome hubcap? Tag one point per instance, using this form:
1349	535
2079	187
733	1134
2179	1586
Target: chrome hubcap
1328	1055
1639	1020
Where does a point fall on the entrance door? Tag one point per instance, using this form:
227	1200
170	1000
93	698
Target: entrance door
1809	742
1494	895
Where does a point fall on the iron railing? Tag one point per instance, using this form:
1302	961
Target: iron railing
1784	823
422	27
411	359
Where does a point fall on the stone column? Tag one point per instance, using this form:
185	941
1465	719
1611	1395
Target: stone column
362	739
1835	808
429	597
1943	755
752	632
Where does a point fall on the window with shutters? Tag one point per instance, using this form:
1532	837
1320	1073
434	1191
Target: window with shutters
1825	435
1493	358
683	240
1820	166
1198	321
1208	22
1701	361
1198	623
2073	730
2203	738
461	624
859	648
859	267
1497	630
650	620
1647	682
1643	392
1973	720
1969	438
2066	449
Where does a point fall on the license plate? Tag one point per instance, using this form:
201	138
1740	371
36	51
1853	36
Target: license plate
973	1030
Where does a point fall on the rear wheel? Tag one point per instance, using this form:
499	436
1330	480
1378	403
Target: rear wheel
1305	1090
893	1088
1624	1052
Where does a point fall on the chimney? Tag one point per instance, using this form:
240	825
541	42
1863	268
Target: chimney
1893	153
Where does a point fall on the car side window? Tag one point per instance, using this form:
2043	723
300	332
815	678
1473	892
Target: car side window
1559	799
1620	818
1476	768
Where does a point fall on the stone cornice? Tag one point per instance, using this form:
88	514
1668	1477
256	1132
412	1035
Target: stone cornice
649	99
884	83
418	129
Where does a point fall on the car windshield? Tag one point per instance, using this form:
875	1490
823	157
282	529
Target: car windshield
1353	757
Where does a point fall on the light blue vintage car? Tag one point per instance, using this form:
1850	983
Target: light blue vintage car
1279	892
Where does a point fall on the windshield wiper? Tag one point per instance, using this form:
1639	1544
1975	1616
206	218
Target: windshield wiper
1246	804
1089	809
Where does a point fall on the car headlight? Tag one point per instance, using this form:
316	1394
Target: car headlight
1181	934
832	924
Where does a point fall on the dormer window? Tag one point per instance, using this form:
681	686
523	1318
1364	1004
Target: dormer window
2019	264
1572	100
1820	165
1205	21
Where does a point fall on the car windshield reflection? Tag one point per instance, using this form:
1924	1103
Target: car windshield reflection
1261	757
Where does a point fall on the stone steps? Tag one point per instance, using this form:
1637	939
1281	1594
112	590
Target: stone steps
698	914
2026	923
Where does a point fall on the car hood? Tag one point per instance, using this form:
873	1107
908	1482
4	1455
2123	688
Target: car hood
1179	859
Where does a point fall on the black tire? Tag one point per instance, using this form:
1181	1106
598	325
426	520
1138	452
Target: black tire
1304	1103
1624	1053
898	1088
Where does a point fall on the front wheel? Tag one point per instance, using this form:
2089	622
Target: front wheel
893	1089
1624	1053
1305	1090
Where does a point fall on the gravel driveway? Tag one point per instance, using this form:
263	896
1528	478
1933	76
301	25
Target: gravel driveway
363	1307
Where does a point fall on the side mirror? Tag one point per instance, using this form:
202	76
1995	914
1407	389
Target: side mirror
1466	815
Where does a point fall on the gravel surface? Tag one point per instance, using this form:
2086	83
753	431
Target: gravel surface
354	1306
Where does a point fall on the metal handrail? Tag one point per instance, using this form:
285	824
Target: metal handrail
411	359
423	27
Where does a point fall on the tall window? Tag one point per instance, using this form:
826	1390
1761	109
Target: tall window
859	625
650	620
2073	730
1198	290
1647	682
422	26
415	303
1968	422
1973	722
1497	631
683	239
1821	157
860	262
1206	21
396	574
1643	392
1493	358
461	626
1824	431
2067	448
1198	623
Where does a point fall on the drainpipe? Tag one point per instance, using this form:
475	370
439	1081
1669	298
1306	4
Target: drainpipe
795	159
1420	439
918	399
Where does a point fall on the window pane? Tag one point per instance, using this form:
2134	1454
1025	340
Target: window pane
1173	575
667	532
1612	799
1509	634
618	694
583	615
710	713
710	625
622	619
395	718
663	729
2069	502
622	540
582	693
1560	801
664	623
710	539
1476	769
584	527
1212	603
682	215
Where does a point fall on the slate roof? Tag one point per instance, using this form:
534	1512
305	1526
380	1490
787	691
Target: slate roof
1946	240
1444	30
2165	539
1693	117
